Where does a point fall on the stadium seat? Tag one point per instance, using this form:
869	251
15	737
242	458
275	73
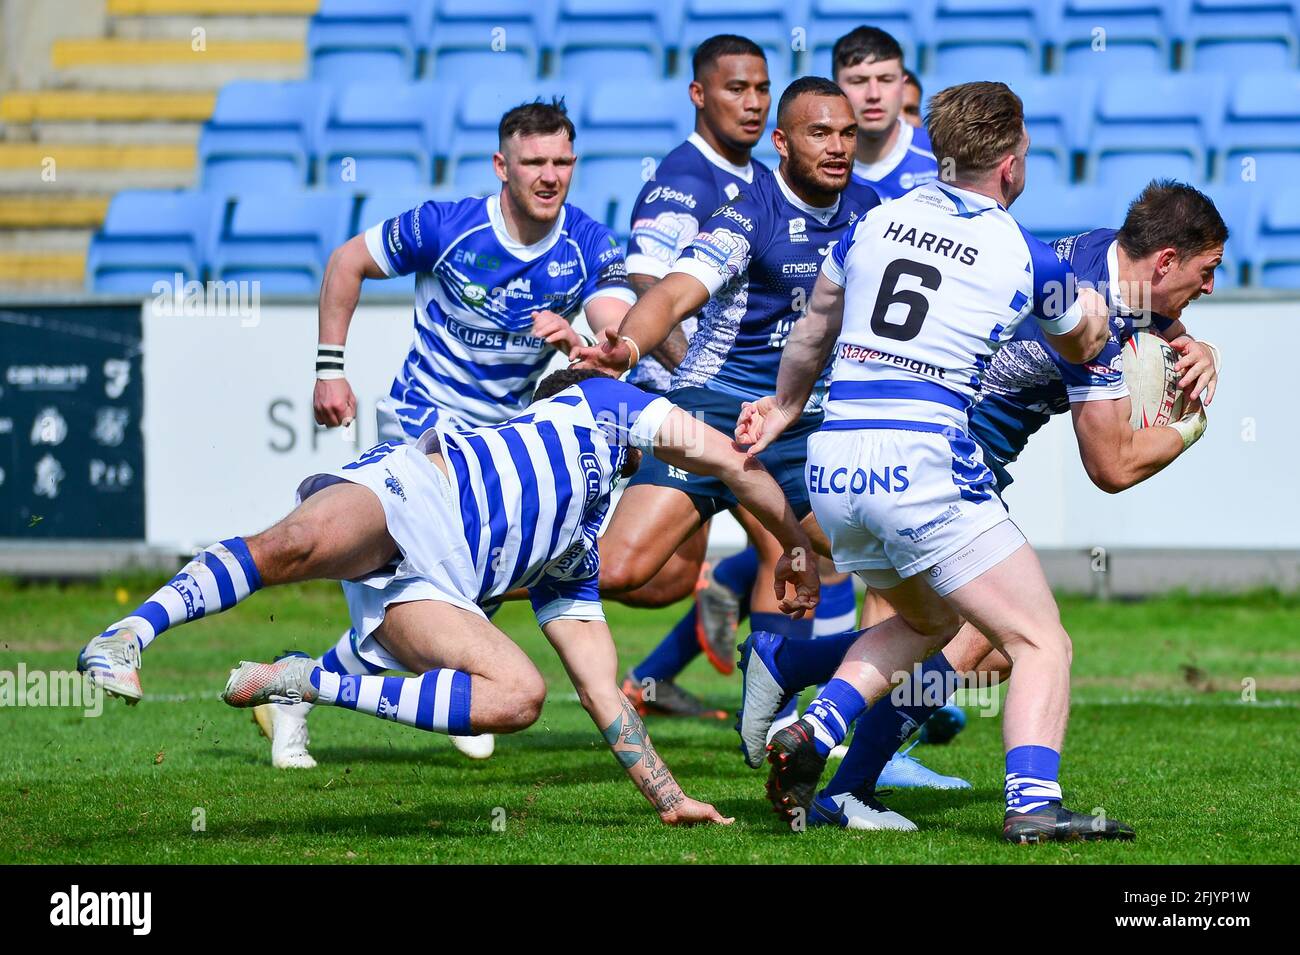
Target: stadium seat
1276	249
1236	36
614	177
596	41
967	35
1239	206
594	203
281	240
767	22
392	132
1106	37
261	136
634	118
477	40
150	236
1145	125
1058	110
365	40
476	117
1062	210
828	20
1260	138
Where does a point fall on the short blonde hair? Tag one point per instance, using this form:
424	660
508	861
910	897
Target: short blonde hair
974	125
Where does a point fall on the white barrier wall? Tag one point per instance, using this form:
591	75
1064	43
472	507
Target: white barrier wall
229	434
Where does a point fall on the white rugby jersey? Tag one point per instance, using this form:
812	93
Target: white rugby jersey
934	282
474	359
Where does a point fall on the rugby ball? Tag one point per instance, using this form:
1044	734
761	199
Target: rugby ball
1152	381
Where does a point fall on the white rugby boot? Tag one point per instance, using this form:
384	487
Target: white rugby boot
112	662
476	747
284	681
286	728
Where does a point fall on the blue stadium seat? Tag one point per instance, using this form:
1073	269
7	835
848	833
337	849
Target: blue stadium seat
767	22
1276	251
966	35
1058	110
596	41
150	236
1062	210
595	203
472	41
261	136
365	40
828	20
474	129
392	132
1106	37
634	118
1152	124
614	177
1260	138
281	240
1235	36
1239	206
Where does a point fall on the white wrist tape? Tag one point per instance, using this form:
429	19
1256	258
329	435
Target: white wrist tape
1214	353
1190	427
329	362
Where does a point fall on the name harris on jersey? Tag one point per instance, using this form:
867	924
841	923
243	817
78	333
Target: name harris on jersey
932	242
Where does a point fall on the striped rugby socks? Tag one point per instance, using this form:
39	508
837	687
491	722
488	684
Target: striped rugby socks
838	705
215	580
437	701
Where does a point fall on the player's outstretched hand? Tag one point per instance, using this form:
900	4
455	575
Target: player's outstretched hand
334	402
692	812
760	423
556	331
1200	376
611	356
798	585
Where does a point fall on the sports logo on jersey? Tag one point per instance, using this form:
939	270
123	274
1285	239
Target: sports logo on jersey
732	213
798	229
394	485
731	190
725	250
395	236
473	293
556	269
664	236
516	288
668	194
477	260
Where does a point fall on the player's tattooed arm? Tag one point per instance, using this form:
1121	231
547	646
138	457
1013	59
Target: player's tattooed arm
631	746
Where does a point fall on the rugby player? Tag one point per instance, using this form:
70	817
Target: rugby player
893	155
750	268
1162	258
424	535
912	95
499	281
914	301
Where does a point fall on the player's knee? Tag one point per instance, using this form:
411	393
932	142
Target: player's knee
523	704
940	623
622	574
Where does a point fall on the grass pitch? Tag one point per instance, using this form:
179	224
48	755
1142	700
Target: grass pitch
1160	737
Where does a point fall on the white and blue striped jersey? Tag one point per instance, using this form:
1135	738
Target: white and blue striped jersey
910	163
934	282
474	358
692	181
533	491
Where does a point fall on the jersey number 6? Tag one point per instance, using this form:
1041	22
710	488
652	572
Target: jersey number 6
890	294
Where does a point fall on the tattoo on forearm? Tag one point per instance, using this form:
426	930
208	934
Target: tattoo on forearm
632	748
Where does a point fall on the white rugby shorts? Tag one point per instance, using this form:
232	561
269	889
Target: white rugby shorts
896	503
